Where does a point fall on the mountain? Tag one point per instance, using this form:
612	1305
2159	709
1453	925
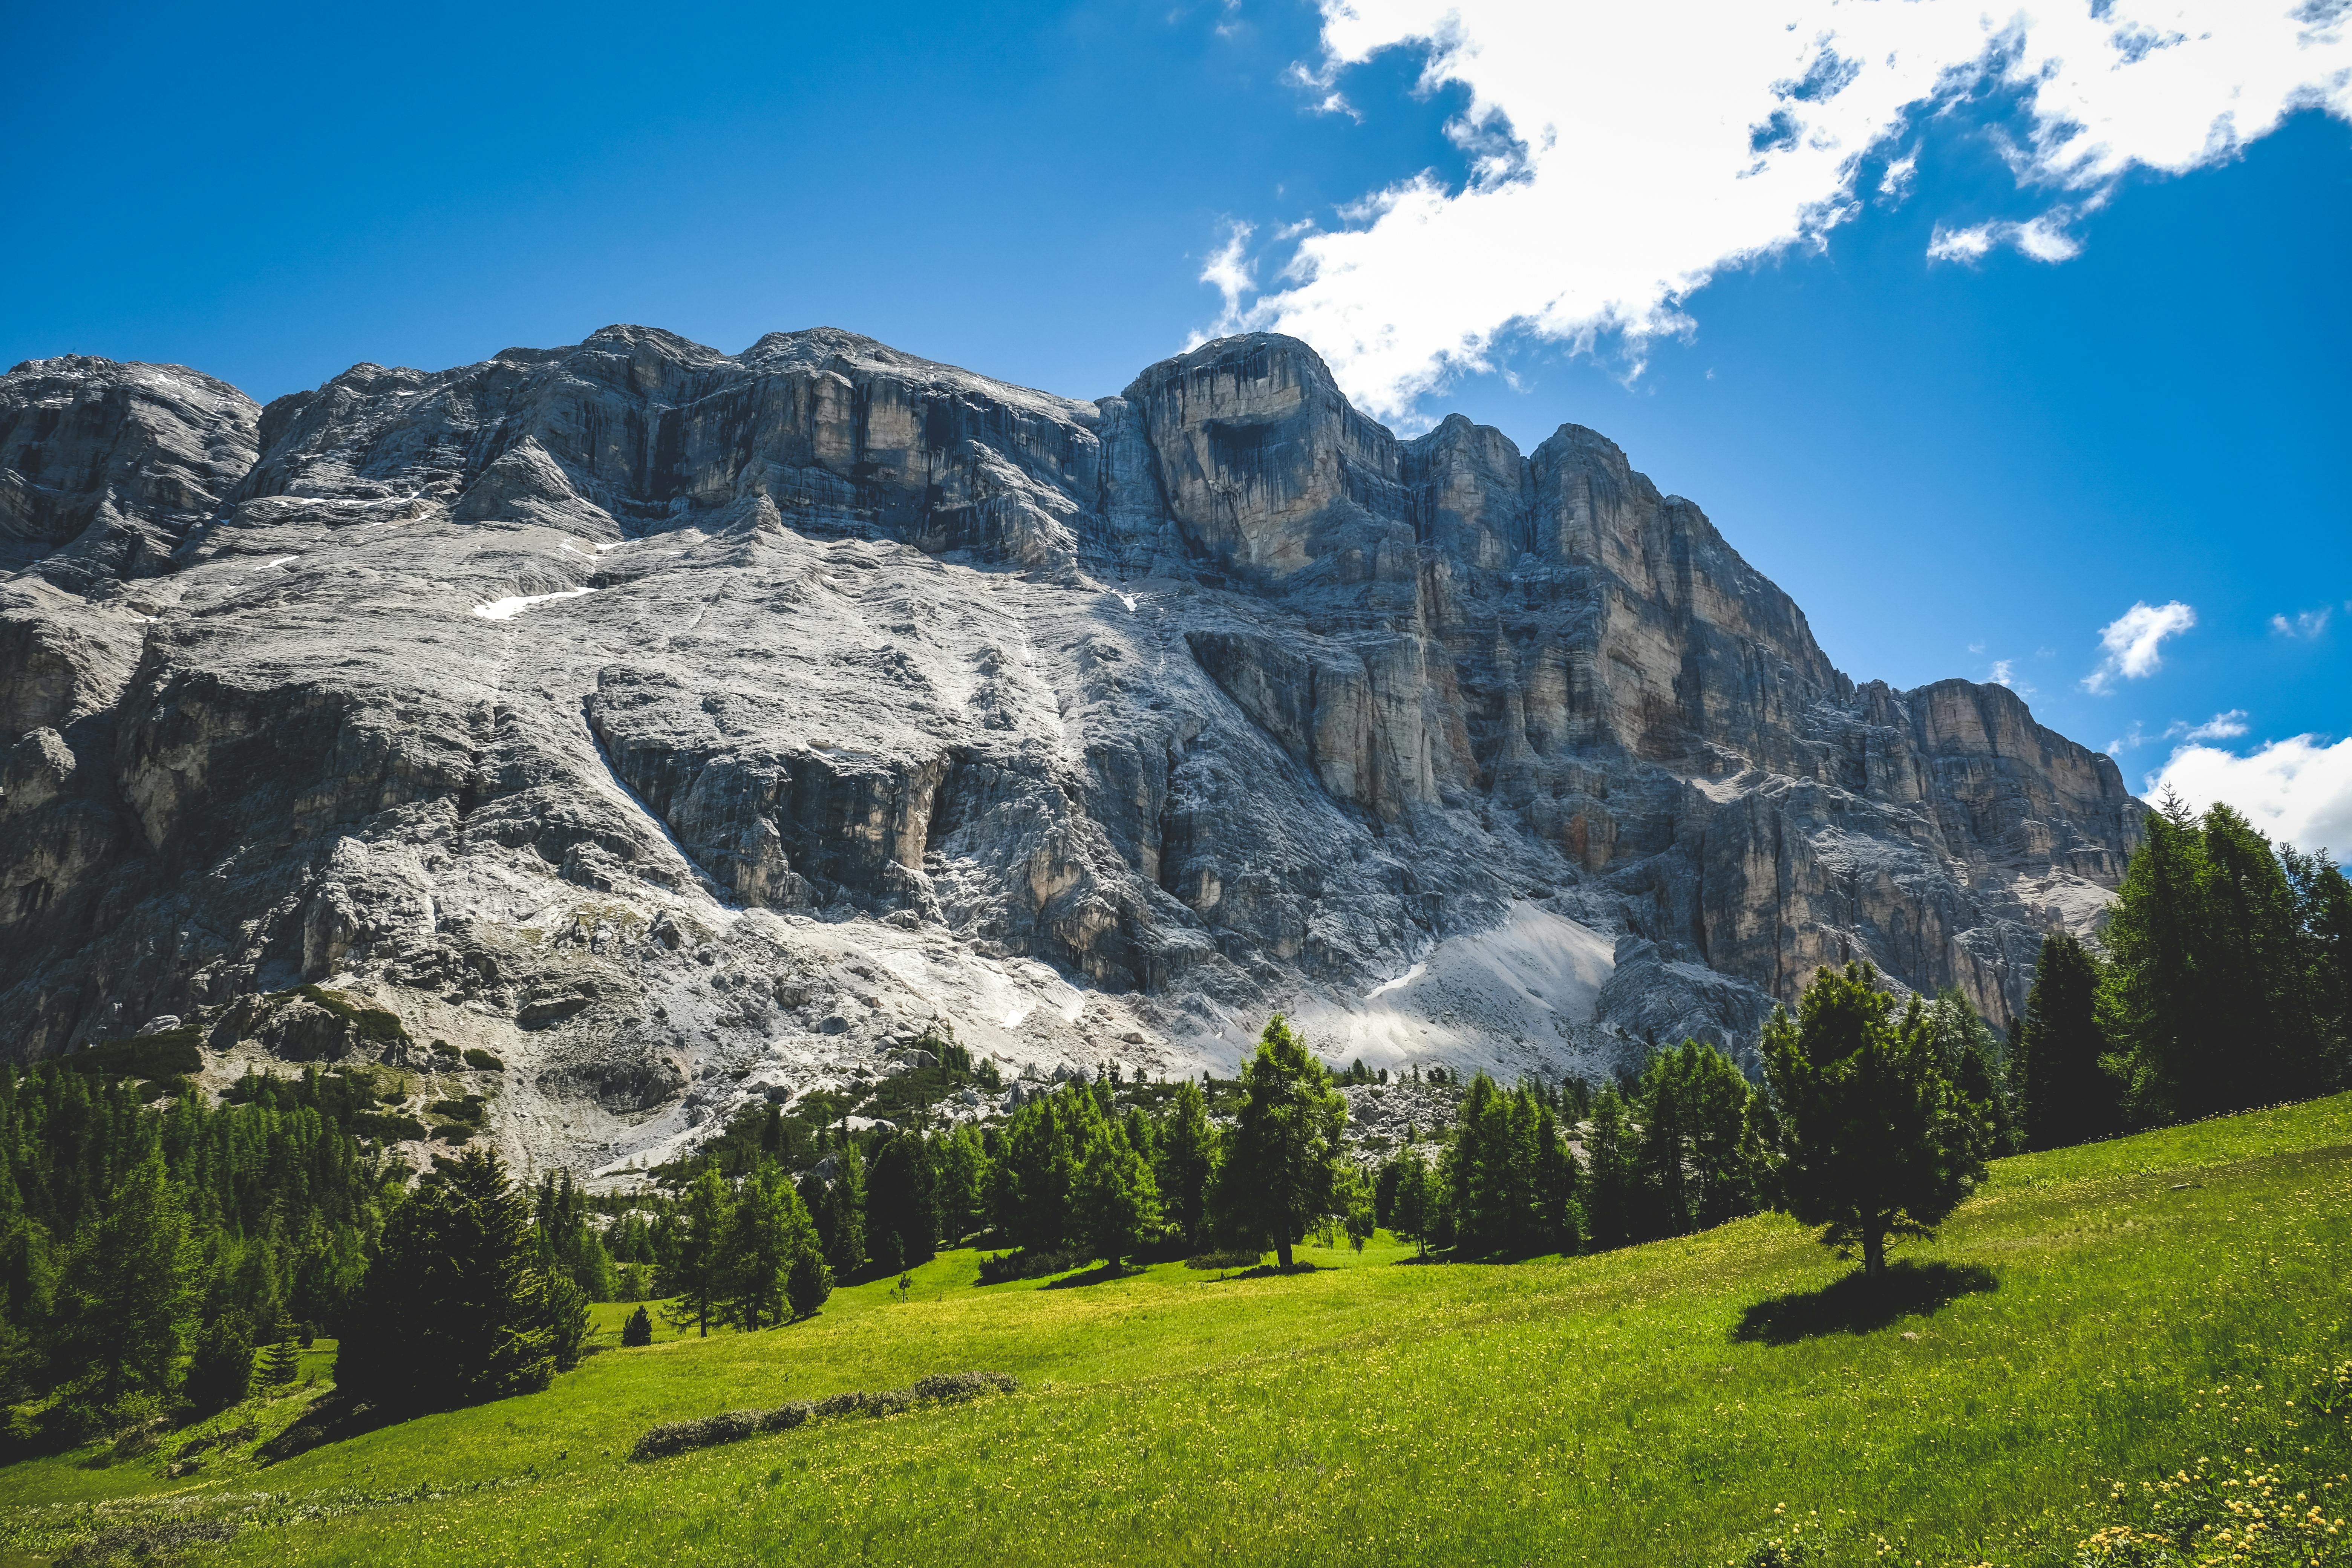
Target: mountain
684	727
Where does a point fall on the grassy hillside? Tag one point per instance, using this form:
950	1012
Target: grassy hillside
2098	1315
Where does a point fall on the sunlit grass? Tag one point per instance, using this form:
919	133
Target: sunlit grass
1600	1410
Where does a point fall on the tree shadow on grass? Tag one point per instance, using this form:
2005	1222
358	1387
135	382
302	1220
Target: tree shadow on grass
1275	1271
331	1418
1101	1273
1857	1304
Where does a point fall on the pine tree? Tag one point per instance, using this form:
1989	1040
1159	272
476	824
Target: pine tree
808	1278
127	1297
638	1330
901	1197
1411	1217
698	1285
2324	916
1874	1143
453	1308
763	1223
282	1360
962	1165
1276	1177
1556	1202
1352	1195
221	1369
1187	1151
564	1316
1612	1186
2064	1093
1116	1201
845	1247
2152	1002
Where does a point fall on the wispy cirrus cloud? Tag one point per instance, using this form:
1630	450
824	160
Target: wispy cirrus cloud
2306	625
1620	155
2132	642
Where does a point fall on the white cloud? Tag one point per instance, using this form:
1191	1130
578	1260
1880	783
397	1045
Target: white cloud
1230	270
2298	790
2132	640
2221	727
2044	238
2122	743
2004	673
1976	647
1621	154
2306	625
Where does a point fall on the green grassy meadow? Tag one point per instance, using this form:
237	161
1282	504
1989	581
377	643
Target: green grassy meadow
1670	1404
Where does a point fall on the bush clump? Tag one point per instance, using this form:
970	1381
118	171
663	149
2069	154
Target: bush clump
734	1426
477	1058
386	1129
998	1267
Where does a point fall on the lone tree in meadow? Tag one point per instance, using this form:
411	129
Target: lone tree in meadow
1280	1162
1875	1141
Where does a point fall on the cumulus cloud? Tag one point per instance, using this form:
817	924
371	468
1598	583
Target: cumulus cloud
2298	790
1621	154
2131	642
2306	625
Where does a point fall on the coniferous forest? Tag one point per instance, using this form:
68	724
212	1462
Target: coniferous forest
166	1255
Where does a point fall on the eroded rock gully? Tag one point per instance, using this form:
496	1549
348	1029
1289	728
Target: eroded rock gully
682	726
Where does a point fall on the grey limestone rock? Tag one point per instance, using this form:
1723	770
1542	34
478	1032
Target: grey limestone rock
684	728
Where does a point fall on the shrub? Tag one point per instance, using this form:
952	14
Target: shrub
388	1128
734	1426
1000	1268
638	1330
477	1058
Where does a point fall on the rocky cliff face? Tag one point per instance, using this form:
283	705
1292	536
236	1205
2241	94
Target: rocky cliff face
682	725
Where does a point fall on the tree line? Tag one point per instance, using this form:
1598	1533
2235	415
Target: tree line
2221	981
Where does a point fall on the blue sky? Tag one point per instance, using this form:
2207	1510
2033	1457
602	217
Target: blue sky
1972	361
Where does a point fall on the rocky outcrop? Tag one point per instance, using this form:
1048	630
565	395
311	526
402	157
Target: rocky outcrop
667	721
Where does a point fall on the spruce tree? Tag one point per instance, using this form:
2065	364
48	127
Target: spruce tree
1612	1186
761	1230
282	1360
697	1284
1410	1218
1276	1178
808	1278
1116	1203
847	1247
1186	1148
1874	1142
127	1297
1555	1198
220	1370
637	1330
2063	1091
564	1316
901	1197
453	1308
1352	1195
